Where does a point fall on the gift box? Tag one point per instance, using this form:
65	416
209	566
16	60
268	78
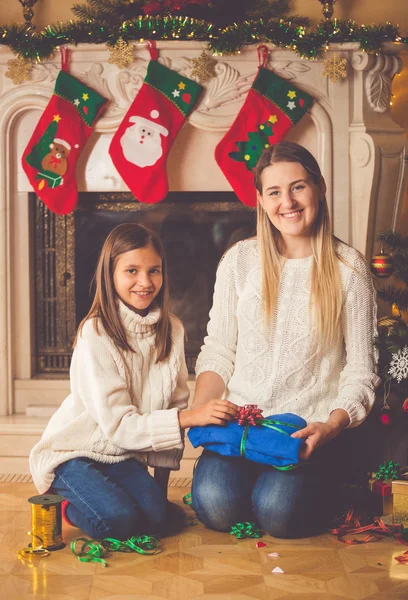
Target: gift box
267	441
400	502
383	491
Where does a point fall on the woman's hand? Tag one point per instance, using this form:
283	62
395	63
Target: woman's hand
317	434
214	412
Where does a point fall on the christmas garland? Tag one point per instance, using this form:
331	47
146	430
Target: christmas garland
306	42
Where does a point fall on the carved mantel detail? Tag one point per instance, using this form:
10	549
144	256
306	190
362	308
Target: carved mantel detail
381	70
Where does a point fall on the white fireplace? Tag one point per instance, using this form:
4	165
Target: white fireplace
349	129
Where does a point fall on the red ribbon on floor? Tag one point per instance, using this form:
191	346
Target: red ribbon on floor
375	530
402	558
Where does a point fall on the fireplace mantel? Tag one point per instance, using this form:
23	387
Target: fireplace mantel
349	128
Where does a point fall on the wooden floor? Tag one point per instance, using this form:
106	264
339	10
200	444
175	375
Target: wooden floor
198	564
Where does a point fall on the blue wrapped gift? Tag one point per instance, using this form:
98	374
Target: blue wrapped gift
269	442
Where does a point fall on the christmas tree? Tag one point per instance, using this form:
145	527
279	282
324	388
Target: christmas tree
251	149
392	339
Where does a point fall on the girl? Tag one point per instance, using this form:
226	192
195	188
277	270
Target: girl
291	329
128	384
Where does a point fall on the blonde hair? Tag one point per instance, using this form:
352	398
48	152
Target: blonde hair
326	292
104	309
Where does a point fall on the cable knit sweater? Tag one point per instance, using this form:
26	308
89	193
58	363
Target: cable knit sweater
122	404
282	368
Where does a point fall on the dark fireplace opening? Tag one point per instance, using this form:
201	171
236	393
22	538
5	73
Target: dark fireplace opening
196	229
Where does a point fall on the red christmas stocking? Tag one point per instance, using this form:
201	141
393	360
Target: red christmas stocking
272	107
50	157
140	146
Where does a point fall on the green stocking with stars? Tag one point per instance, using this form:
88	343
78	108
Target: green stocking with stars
273	106
51	155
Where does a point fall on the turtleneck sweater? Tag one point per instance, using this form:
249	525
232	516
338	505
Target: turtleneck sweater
122	404
282	367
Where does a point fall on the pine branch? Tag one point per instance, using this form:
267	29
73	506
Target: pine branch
393	240
108	12
299	20
395	295
273	9
85	13
267	9
220	12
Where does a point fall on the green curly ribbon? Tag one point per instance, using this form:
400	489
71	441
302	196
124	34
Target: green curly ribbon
91	551
245	529
95	550
271	424
187	500
387	471
144	544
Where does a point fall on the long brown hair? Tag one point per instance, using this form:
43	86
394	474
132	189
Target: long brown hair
104	309
326	291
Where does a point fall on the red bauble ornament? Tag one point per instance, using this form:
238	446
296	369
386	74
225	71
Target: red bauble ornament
386	418
382	265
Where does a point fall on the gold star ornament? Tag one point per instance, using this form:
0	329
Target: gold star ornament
204	67
335	68
121	54
19	69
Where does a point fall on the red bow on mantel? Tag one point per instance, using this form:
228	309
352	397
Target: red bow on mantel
174	6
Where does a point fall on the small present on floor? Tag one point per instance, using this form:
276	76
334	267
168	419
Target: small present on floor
389	484
400	501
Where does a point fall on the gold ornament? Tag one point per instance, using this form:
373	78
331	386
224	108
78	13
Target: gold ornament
382	265
121	54
19	69
204	67
335	68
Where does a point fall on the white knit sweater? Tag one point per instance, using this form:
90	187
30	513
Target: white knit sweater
282	369
122	404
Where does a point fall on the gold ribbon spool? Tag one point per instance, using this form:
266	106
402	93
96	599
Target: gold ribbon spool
46	522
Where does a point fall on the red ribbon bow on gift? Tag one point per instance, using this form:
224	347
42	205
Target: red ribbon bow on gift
248	414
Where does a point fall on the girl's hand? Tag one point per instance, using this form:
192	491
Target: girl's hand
214	412
317	434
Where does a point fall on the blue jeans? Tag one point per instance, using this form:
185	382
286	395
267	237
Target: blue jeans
115	500
285	504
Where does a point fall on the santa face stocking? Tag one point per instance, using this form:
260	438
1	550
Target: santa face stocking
272	107
140	147
57	142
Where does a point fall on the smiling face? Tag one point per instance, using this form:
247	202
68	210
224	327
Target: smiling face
290	198
138	278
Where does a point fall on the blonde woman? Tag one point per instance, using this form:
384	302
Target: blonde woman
291	329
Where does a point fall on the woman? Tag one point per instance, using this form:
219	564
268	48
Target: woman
291	329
